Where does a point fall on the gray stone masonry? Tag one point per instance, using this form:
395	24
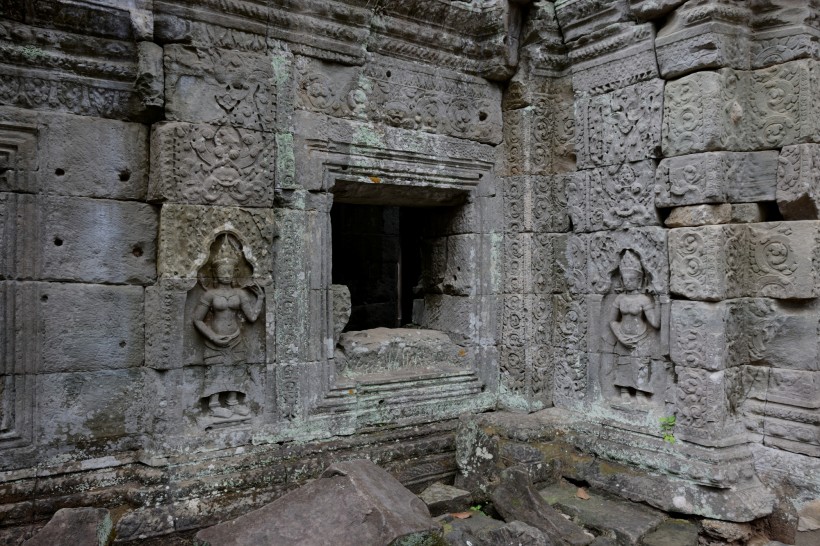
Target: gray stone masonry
242	241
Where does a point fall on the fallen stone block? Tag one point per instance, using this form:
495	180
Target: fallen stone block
516	532
627	521
441	498
465	529
517	500
673	532
80	526
353	502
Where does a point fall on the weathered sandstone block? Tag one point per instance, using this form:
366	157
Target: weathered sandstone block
620	196
798	182
699	215
716	177
742	110
620	126
212	165
702	35
774	260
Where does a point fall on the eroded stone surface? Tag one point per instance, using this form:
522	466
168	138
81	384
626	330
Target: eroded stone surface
341	503
90	526
517	500
441	498
628	522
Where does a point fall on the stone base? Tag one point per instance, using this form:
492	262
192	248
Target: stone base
159	496
557	443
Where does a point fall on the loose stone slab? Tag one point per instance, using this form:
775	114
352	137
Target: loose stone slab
466	532
516	532
673	532
516	499
441	498
392	349
355	502
87	526
627	520
699	215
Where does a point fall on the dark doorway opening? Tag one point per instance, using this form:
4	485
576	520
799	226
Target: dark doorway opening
377	254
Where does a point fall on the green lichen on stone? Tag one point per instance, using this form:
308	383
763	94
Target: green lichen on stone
285	161
281	69
367	136
32	53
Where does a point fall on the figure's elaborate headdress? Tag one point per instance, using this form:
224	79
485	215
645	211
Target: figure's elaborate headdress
630	262
227	254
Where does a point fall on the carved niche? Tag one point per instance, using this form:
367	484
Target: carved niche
630	341
227	300
209	319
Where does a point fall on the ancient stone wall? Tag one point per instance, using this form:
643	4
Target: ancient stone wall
619	220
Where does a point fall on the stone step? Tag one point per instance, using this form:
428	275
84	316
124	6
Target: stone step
672	532
627	522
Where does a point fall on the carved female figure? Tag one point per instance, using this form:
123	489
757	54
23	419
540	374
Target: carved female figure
634	317
219	317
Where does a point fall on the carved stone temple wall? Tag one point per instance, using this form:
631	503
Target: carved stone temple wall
604	212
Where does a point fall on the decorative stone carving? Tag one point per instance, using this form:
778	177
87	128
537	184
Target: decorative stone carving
223	353
701	403
783	31
220	86
606	248
569	339
616	56
619	126
513	370
403	95
108	99
613	197
539	128
742	110
701	111
783	106
227	302
698	334
798	182
535	204
716	177
210	165
704	34
783	259
186	230
697	261
187	234
646	10
631	332
717	262
579	18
